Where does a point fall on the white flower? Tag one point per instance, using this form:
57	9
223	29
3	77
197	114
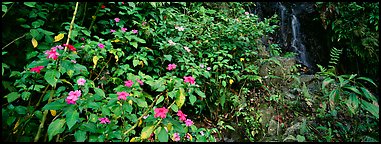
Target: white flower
171	42
187	49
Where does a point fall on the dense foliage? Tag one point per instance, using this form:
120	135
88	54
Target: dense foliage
163	71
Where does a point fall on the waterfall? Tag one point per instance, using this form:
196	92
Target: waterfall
296	42
283	24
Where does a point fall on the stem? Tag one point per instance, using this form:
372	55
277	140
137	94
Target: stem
7	10
43	118
102	69
13	41
71	25
84	14
92	23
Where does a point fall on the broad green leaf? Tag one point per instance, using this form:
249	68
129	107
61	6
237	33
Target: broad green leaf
99	92
141	103
52	76
42	62
224	83
80	136
12	96
86	32
161	98
373	109
352	103
72	117
180	98
56	105
354	89
368	94
25	95
163	135
200	93
230	127
30	4
168	57
135	62
222	100
105	111
134	44
146	132
56	127
90	127
21	110
300	138
174	108
192	99
4	8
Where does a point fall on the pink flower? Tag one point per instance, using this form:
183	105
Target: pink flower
101	45
208	68
37	69
201	65
59	47
140	82
83	39
128	83
171	42
187	49
122	95
124	29
246	13
171	66
176	137
116	19
188	122
73	97
112	31
134	31
104	120
73	61
144	23
181	115
81	81
82	46
145	117
189	79
52	53
160	112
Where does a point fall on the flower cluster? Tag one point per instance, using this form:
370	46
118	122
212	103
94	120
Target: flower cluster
81	81
189	79
140	82
104	120
101	45
128	83
182	117
122	95
52	53
73	97
161	112
70	47
37	69
171	66
134	31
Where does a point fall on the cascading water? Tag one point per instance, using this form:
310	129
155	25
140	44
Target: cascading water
296	43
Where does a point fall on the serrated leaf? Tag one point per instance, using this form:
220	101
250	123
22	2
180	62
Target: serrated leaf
56	127
34	43
80	136
146	132
59	37
192	99
163	135
180	98
12	96
72	117
52	76
161	98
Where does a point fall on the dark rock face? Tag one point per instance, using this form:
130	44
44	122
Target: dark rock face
300	31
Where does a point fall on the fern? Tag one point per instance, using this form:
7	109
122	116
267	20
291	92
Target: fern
335	56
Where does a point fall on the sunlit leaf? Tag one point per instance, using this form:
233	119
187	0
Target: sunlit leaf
59	37
146	132
34	43
56	127
180	98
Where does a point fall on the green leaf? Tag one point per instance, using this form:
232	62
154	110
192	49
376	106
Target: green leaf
141	103
223	83
86	32
326	82
80	136
25	95
174	108
192	99
90	127
200	93
352	103
20	110
135	62
368	80
56	127
168	57
180	98
368	95
105	111
52	76
99	92
12	96
354	89
373	109
161	98
146	132
72	117
42	62
4	8
163	135
56	105
38	23
230	127
30	4
300	138
134	44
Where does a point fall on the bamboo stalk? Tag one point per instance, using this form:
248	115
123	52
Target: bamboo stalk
71	25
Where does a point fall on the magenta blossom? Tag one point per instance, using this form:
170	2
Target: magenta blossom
208	68
112	31
189	79
124	29
81	81
122	95
134	31
37	69
128	83
171	66
116	19
140	82
73	61
101	45
160	112
73	97
181	115
104	120
188	122
52	53
176	137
